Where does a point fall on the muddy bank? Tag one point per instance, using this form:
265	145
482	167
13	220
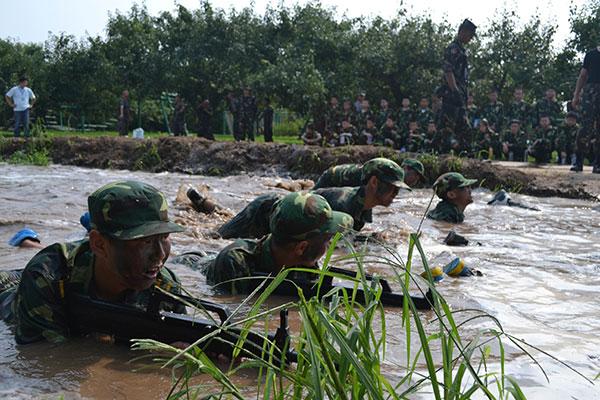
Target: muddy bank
199	156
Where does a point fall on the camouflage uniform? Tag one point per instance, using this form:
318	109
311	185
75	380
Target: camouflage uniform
521	111
248	111
340	175
423	116
564	142
553	109
122	210
382	116
416	165
589	134
333	119
298	216
445	210
390	136
494	113
516	145
473	115
543	145
361	119
414	141
453	119
487	141
404	117
253	220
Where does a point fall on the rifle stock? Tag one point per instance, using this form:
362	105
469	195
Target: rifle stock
124	322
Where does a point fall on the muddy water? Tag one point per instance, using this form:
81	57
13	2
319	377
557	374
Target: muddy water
541	280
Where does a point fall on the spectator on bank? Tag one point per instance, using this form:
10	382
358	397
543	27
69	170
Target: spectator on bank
311	137
21	98
124	114
204	115
178	120
248	113
267	117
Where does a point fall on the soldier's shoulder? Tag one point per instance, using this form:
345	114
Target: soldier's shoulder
52	261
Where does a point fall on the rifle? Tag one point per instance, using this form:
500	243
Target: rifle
289	286
125	322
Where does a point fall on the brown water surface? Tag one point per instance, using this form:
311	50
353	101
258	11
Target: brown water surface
541	279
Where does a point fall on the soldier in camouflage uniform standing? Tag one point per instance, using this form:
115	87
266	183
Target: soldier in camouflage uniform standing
381	179
301	226
589	83
121	261
248	112
453	121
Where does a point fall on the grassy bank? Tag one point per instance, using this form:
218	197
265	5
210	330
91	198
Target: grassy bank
96	134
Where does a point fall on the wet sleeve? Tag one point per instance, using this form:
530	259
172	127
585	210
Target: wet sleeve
39	310
229	265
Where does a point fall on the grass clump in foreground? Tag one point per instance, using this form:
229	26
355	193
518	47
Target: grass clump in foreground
341	346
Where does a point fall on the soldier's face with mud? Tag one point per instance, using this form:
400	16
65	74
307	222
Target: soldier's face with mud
139	261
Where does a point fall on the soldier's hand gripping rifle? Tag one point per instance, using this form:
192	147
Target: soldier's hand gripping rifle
124	322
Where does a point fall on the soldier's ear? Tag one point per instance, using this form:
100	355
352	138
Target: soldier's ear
300	248
99	244
451	194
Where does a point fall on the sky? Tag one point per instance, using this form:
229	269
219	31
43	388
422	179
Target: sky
31	21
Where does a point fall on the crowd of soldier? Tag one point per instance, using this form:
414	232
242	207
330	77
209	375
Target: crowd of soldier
511	132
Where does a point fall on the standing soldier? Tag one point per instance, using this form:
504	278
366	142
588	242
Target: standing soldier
248	111
589	82
494	111
454	86
267	116
204	117
549	106
519	110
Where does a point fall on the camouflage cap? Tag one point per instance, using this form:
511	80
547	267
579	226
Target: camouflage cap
414	164
450	181
300	216
130	210
385	170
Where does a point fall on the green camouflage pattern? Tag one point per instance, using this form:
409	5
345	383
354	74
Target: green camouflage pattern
552	109
564	142
385	170
340	176
241	259
515	144
414	164
588	137
521	111
494	113
38	306
350	201
450	181
130	210
253	221
423	116
300	216
446	211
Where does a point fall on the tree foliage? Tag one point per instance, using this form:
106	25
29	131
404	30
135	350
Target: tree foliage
296	55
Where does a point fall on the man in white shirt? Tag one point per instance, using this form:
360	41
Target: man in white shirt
21	99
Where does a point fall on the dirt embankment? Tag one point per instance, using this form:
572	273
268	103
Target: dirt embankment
199	156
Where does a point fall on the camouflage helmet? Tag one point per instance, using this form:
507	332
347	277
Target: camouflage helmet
129	210
385	170
300	216
450	181
416	165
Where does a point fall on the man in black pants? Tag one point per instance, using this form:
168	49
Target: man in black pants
589	82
